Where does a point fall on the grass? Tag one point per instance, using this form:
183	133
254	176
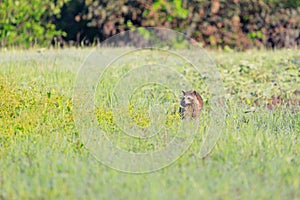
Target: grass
43	157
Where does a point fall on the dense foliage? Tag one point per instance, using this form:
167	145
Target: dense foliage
238	24
28	22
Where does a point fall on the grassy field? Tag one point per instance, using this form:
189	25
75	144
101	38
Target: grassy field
43	157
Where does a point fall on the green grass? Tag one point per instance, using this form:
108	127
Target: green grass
42	156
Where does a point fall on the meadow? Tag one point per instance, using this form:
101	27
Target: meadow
43	157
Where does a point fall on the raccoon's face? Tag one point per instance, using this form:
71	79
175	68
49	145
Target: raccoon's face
187	99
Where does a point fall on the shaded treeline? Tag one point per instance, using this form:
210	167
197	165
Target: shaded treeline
237	24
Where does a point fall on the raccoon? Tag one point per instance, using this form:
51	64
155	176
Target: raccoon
191	105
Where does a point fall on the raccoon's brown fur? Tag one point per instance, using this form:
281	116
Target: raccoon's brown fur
191	105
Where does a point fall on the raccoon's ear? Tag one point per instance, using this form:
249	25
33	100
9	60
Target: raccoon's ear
194	92
183	92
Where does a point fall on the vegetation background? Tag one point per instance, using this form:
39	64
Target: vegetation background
234	24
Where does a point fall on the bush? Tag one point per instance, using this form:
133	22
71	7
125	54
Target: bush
238	24
28	22
230	24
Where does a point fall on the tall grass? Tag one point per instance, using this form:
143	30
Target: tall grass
42	156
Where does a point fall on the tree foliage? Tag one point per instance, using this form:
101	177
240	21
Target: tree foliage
28	22
238	24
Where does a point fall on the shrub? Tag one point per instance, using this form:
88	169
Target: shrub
28	22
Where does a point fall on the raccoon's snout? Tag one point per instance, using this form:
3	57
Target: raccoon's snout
186	102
